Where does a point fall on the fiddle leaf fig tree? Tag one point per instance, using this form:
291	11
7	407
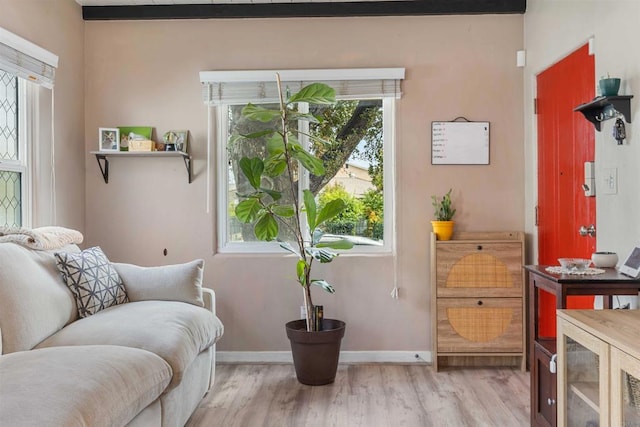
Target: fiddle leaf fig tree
267	209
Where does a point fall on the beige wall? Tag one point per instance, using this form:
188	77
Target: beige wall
146	73
56	25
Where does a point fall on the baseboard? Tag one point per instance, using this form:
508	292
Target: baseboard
345	357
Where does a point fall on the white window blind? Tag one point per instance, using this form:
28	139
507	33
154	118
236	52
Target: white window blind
240	87
27	60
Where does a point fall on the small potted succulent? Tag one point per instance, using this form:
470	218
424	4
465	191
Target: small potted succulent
443	213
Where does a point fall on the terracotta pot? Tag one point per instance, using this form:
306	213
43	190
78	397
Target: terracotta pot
443	229
315	354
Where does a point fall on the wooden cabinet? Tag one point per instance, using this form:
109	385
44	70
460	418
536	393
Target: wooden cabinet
478	299
542	349
598	368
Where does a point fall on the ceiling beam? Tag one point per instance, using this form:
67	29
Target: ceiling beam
306	9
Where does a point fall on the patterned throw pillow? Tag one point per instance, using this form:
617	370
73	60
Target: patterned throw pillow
94	282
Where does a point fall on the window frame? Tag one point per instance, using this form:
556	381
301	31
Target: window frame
222	218
22	165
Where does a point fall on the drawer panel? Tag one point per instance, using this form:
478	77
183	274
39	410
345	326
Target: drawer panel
479	269
481	325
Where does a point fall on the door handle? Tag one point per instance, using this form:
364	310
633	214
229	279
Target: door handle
587	231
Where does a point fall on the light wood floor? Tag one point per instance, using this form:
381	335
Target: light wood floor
366	395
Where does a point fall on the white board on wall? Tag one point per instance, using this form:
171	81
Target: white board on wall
459	143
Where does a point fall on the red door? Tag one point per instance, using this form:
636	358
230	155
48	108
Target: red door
566	140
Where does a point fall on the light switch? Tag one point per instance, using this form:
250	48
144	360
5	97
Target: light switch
609	181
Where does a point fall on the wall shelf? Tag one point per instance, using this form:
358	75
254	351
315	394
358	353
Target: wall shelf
594	111
103	159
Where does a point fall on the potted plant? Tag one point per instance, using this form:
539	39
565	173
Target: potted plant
315	342
443	212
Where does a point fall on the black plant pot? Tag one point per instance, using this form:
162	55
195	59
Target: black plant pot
315	354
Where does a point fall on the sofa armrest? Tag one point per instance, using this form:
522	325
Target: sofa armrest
209	297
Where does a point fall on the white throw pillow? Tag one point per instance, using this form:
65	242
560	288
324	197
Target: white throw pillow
180	282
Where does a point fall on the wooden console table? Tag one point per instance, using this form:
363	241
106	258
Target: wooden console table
542	350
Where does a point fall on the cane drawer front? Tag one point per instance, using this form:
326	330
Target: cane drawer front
483	269
487	325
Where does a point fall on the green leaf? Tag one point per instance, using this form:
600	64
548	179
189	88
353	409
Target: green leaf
315	93
258	134
310	208
261	114
283	210
317	236
266	228
309	162
330	210
275	144
275	195
307	117
337	244
247	210
275	166
324	285
287	246
322	255
300	268
252	169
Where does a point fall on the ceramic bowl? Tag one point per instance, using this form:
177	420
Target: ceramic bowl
604	259
574	264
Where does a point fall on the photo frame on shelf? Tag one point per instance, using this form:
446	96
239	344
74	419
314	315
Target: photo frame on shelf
108	139
136	133
176	140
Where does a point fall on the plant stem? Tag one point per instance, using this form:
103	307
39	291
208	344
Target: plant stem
298	232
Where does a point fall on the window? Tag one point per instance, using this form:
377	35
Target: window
358	160
24	67
13	165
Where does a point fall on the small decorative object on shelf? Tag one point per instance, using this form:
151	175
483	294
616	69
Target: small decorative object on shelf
109	139
129	134
176	140
609	86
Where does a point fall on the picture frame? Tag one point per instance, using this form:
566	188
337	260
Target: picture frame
142	131
108	139
178	138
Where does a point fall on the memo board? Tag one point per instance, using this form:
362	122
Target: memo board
460	143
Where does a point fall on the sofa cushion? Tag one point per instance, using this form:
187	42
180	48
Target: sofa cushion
94	282
175	331
79	386
181	282
35	302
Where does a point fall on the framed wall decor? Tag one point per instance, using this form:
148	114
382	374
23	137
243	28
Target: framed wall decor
460	143
108	139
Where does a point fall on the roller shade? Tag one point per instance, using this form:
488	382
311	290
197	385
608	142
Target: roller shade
27	60
240	87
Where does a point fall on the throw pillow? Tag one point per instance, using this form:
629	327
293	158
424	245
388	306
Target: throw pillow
93	281
181	282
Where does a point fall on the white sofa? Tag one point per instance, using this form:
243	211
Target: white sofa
146	362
